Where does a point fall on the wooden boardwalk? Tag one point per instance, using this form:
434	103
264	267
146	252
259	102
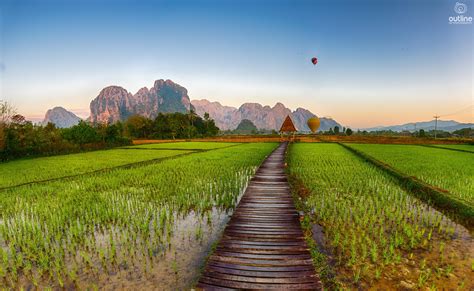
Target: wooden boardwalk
263	245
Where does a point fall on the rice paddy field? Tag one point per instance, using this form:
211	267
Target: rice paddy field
462	147
116	226
375	234
185	145
449	170
45	168
144	216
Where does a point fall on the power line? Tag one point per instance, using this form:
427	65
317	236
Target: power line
436	123
459	111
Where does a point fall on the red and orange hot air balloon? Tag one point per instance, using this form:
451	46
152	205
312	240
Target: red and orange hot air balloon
314	60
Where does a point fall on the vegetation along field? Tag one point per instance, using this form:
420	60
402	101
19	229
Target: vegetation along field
371	232
119	226
449	170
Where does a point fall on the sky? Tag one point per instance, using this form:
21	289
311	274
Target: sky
380	62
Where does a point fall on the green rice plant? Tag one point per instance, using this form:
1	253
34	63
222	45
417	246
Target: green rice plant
38	169
449	170
94	223
462	147
367	217
193	145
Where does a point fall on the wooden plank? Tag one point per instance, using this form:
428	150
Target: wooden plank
262	262
252	279
245	285
262	268
263	274
235	254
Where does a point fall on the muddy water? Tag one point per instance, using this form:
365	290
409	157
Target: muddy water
175	267
180	266
446	264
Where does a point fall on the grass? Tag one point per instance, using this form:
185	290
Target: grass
38	169
462	147
185	145
369	221
449	170
97	223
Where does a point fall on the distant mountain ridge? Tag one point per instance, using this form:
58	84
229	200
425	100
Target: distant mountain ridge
115	103
445	125
60	117
264	117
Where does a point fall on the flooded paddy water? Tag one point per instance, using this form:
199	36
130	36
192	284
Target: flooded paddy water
446	264
175	265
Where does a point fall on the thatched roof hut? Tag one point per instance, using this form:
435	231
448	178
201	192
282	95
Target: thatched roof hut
288	125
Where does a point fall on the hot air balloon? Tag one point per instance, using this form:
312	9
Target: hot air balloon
314	60
313	124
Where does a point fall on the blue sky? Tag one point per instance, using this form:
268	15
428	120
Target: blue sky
380	62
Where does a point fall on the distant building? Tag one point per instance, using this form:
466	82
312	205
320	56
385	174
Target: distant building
288	127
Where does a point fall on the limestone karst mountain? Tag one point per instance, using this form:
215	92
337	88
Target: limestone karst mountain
264	117
60	117
115	103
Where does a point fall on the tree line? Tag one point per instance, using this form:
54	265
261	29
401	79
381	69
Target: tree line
21	138
171	126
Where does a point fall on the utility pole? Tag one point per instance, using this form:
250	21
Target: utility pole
436	123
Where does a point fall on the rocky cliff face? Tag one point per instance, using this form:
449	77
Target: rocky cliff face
264	117
61	117
224	116
114	103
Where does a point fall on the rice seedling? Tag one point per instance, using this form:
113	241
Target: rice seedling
448	170
108	221
369	221
463	147
38	169
196	145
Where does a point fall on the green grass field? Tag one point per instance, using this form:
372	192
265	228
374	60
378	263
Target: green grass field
126	216
371	224
38	169
445	169
464	147
186	145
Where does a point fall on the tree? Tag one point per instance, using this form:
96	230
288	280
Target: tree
138	126
81	134
464	132
6	113
421	133
348	131
245	127
336	129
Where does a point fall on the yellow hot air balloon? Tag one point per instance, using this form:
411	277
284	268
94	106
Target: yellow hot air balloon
313	124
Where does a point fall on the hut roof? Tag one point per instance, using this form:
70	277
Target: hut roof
288	125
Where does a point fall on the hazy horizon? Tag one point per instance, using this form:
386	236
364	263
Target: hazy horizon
379	63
